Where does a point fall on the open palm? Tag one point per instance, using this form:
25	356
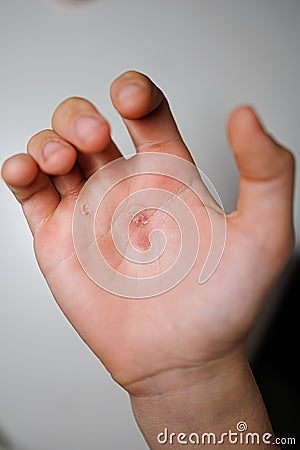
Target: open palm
190	324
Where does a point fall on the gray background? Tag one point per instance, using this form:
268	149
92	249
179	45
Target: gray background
208	56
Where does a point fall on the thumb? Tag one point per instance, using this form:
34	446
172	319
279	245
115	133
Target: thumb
266	169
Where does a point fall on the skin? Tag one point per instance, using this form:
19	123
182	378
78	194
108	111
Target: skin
180	355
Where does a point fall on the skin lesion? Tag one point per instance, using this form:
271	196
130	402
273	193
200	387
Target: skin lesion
139	217
138	230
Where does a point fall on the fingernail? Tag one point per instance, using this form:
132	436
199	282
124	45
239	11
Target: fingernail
128	92
87	125
51	148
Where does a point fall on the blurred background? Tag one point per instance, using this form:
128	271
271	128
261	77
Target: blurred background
208	56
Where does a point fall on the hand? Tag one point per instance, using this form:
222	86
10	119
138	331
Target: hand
191	326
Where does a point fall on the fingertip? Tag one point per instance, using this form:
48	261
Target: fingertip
19	170
134	95
93	133
81	125
132	101
57	158
257	154
242	121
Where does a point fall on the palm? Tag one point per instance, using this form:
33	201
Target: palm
137	338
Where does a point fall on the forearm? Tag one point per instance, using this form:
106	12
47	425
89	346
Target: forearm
205	407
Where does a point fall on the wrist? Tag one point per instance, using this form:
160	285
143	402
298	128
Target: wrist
203	377
212	398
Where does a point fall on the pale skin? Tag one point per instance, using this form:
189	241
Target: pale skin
181	355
